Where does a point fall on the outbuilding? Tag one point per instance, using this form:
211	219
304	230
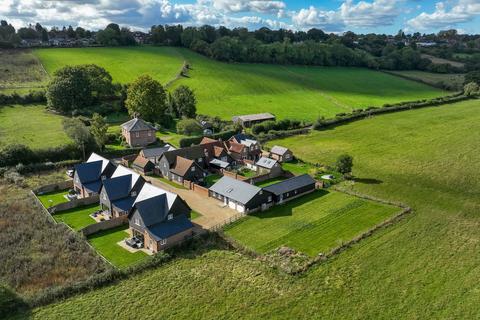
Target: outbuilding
291	188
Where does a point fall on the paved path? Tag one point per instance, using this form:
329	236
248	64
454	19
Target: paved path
212	210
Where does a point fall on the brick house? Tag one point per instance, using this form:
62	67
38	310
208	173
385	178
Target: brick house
173	164
159	218
138	133
88	176
241	147
281	154
143	165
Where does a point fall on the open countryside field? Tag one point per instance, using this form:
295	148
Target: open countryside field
21	71
312	224
424	267
31	125
454	79
124	64
225	90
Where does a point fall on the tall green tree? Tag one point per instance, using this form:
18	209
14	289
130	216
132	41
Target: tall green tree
78	132
185	102
344	164
146	98
98	129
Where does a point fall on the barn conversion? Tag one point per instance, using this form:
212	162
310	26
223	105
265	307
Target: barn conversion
291	188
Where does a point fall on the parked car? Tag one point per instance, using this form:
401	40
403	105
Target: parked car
134	243
70	173
71	196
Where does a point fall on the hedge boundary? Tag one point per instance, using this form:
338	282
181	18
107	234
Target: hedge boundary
224	135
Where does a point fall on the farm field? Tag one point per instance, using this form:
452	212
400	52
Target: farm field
424	267
224	90
315	223
31	125
438	60
454	79
124	64
21	71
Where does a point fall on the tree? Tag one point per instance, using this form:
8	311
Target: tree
98	129
78	132
344	164
185	102
76	87
189	127
471	89
472	76
146	99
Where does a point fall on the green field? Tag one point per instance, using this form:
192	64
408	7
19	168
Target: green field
222	89
424	267
124	64
77	218
21	71
454	79
315	223
31	125
105	242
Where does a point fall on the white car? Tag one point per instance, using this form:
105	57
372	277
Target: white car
70	173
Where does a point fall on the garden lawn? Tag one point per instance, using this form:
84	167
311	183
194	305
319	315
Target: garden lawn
77	218
296	167
125	64
31	125
312	224
212	179
53	198
105	242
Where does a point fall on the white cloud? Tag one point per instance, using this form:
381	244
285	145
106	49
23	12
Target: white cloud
446	16
264	6
313	17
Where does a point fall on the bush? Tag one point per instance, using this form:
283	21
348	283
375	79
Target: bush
189	127
15	98
14	154
282	125
44	166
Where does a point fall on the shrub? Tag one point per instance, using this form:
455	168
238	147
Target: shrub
189	127
282	125
471	89
14	154
187	142
15	98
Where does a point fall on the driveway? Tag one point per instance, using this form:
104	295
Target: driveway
212	211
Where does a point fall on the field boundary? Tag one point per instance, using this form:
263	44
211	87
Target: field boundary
320	258
431	84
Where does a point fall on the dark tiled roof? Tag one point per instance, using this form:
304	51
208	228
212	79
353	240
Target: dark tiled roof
290	184
89	171
239	137
141	162
124	204
93	186
137	124
118	187
153	210
171	227
191	153
155	152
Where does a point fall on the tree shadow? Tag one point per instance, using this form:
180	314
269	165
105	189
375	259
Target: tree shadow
12	306
367	180
286	209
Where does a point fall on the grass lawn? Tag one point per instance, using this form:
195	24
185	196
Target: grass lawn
77	218
212	179
247	173
171	183
269	182
170	137
194	215
31	125
296	167
314	223
53	198
105	242
125	64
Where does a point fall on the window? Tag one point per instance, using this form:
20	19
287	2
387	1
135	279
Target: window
137	221
137	134
269	198
104	196
170	217
149	133
261	192
163	242
200	159
193	169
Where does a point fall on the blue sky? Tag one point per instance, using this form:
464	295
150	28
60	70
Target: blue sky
379	16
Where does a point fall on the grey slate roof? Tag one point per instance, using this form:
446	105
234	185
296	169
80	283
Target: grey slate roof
124	204
168	228
137	124
153	210
234	189
265	162
156	152
89	171
190	153
93	186
118	187
290	184
220	163
279	150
